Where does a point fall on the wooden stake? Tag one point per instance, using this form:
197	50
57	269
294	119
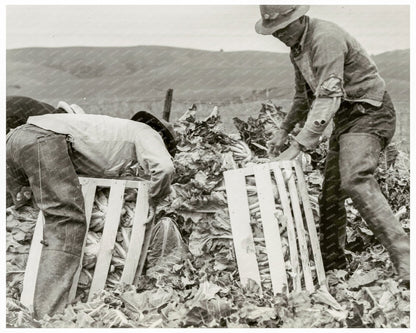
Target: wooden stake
168	104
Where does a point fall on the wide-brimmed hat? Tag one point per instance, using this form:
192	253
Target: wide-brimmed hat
164	128
276	17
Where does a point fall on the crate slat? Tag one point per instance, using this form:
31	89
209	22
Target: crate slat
137	235
88	191
316	250
32	266
108	182
291	234
108	238
300	230
240	224
271	228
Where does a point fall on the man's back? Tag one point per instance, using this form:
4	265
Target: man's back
107	146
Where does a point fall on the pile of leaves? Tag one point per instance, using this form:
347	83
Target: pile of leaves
256	131
199	285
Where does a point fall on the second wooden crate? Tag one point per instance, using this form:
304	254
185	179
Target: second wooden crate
276	184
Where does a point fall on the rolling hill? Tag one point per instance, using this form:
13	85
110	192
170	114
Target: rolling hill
120	80
145	72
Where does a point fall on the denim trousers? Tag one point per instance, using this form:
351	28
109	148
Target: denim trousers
360	132
40	159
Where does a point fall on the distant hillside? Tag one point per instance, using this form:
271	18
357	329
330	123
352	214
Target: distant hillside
144	73
122	80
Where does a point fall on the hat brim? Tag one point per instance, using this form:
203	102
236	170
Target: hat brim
268	27
65	106
72	109
161	126
77	109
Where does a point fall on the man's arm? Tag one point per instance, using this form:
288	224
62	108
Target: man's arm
323	109
153	151
297	113
301	103
328	55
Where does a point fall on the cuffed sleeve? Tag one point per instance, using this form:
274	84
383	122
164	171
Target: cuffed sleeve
300	105
323	110
161	178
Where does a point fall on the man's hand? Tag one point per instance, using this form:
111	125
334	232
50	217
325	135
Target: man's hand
290	153
275	144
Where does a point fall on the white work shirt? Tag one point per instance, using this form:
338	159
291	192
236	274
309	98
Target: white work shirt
108	145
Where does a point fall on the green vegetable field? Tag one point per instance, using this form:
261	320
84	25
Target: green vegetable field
191	277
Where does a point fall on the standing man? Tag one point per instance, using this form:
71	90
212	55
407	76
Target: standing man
336	79
50	151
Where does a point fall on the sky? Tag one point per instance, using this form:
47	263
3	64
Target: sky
379	28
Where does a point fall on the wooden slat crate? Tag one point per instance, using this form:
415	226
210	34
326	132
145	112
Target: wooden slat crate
112	220
282	198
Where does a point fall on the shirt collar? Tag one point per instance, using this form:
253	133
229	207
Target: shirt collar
299	47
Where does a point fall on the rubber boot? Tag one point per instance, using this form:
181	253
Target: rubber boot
359	155
333	217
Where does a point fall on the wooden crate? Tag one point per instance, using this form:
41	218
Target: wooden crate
292	197
112	220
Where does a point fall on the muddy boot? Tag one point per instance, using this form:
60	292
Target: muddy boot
359	154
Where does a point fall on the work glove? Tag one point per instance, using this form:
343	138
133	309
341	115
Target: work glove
290	153
276	143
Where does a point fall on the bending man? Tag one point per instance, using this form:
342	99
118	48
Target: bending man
50	151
